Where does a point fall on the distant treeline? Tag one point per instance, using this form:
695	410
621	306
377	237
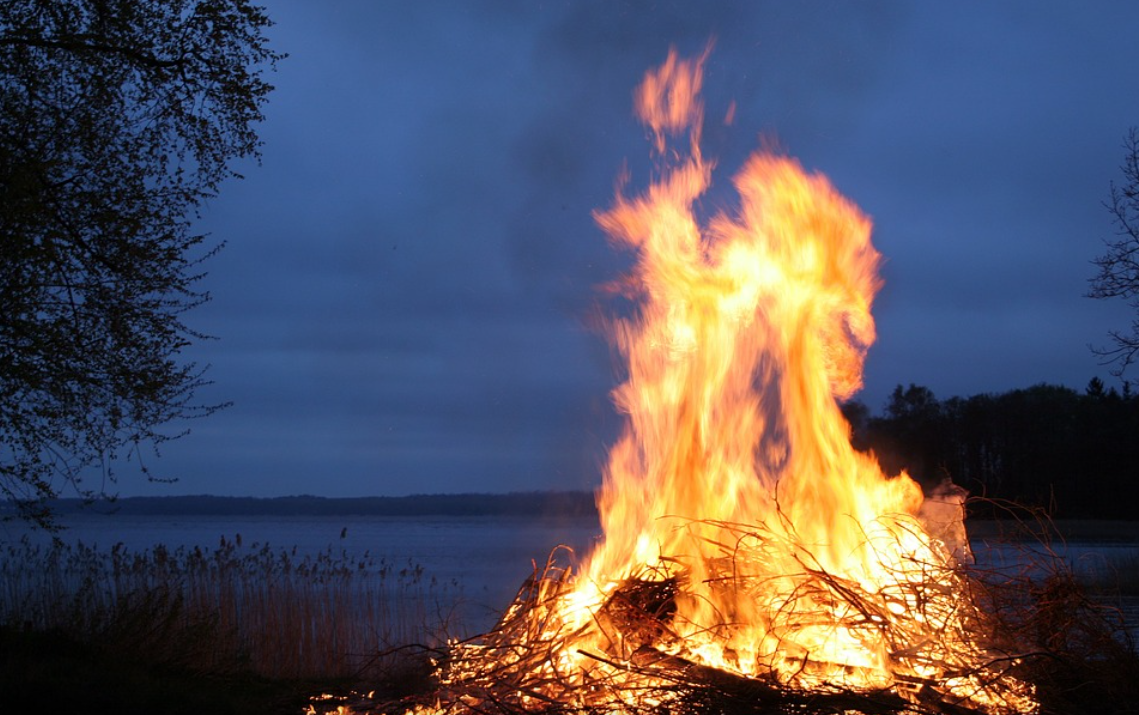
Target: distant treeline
1076	454
545	504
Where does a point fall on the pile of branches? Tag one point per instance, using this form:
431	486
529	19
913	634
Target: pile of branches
1039	625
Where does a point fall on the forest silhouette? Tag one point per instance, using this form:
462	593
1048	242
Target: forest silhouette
1072	454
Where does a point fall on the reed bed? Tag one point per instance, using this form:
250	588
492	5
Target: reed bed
231	609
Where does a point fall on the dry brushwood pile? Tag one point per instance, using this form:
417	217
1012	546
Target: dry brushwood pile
629	656
637	662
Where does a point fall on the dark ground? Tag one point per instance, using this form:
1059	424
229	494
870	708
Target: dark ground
51	672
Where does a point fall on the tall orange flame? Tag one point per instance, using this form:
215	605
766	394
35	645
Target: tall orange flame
788	555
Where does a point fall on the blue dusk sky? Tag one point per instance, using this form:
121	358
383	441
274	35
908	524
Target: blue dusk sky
403	305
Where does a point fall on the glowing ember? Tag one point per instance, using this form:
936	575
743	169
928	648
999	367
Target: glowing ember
746	544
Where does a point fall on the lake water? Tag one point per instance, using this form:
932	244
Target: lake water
482	560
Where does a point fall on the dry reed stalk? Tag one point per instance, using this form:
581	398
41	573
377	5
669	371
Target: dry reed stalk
273	612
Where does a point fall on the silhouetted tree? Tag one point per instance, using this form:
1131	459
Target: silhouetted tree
909	435
1039	432
913	403
975	457
858	415
117	119
1118	275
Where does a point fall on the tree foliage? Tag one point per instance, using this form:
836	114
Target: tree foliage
118	118
1048	446
1118	274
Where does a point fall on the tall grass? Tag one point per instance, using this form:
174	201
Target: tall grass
1110	572
272	612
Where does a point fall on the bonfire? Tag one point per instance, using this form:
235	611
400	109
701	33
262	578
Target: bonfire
751	560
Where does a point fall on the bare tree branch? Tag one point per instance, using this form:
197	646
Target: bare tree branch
1118	266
